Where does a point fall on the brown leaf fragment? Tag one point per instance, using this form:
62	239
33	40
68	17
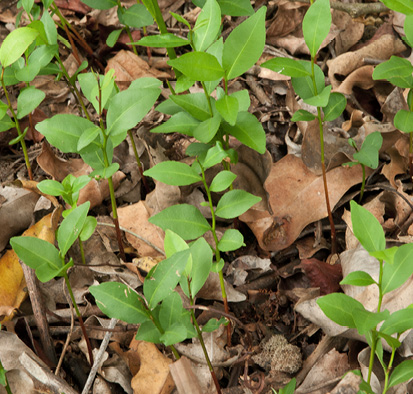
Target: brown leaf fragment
323	275
184	377
153	376
296	197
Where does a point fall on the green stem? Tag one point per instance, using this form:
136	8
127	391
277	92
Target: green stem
201	341
208	99
138	161
387	371
79	316
127	28
82	251
19	132
363	182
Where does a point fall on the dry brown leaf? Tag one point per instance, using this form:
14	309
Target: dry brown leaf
343	65
296	197
351	31
361	77
153	376
129	67
184	377
135	218
398	161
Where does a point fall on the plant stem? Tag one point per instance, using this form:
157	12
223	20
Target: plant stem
79	316
201	341
19	132
82	251
217	252
388	369
127	28
138	161
208	99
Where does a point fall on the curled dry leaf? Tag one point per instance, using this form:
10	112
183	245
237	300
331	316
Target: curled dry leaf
351	31
296	197
346	63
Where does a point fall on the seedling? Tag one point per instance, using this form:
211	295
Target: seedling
367	156
50	262
395	268
69	190
308	82
160	311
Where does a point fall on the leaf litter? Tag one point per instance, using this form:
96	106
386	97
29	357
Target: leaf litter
291	210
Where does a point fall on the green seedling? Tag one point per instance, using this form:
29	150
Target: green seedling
160	312
50	262
69	190
210	121
288	388
367	156
308	82
395	268
95	144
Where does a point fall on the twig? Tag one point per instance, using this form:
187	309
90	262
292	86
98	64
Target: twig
99	357
135	235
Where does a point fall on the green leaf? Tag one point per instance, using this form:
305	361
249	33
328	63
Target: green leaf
289	388
88	137
50	187
394	275
335	107
127	108
243	98
171	310
137	16
393	342
366	321
231	240
408	29
207	129
184	219
387	254
64	130
207	25
163	278
181	19
183	83
15	44
304	86
402	82
405	7
167	40
173	243
3	109
369	152
212	156
249	131
340	308
175	333
181	122
316	25
358	278
213	324
402	373
100	4
198	66
71	226
222	181
235	203
201	264
244	45
367	228
119	301
88	228
394	67
6	123
228	107
216	50
49	28
231	7
286	66
113	37
148	332
320	100
28	100
174	173
195	104
404	121
398	322
105	172
302	115
40	255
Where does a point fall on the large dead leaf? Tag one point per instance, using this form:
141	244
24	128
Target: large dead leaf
296	198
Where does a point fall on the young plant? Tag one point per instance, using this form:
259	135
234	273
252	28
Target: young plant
95	144
69	190
395	268
367	156
160	312
50	262
308	82
210	121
